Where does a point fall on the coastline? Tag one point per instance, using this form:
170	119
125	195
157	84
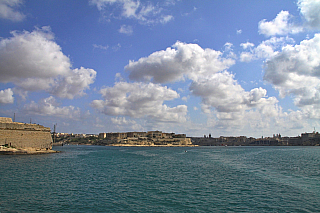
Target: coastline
129	145
14	151
169	145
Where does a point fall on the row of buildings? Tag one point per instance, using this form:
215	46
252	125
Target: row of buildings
149	138
159	137
306	139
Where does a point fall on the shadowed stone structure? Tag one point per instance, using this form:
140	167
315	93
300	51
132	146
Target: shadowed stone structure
24	136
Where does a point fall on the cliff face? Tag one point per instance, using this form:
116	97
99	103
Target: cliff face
24	136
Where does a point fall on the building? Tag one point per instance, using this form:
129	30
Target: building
102	135
136	134
116	135
154	134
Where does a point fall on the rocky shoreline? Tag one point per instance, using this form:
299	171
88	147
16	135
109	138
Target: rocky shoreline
13	151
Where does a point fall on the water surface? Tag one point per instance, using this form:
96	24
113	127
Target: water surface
162	179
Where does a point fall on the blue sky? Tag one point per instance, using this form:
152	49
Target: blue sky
197	67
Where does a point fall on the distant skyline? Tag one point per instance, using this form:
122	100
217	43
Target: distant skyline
228	68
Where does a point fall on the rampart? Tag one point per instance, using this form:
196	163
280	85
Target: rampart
24	136
5	120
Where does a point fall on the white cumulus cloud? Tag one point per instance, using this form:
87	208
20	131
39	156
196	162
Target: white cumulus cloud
310	9
247	45
49	107
6	96
223	93
33	62
224	101
228	101
8	10
74	83
140	100
174	64
296	71
279	26
265	50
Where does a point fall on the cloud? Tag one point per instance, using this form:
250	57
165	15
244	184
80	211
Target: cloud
174	64
74	83
279	26
35	54
49	107
126	29
185	98
122	121
126	124
223	93
34	62
117	47
246	57
98	46
7	10
6	96
223	97
140	100
283	25
310	9
296	71
224	101
228	46
265	50
247	45
145	13
166	18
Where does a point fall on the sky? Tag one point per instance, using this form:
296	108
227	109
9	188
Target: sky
226	68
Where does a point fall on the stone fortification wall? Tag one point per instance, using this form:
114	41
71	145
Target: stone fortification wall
22	139
23	126
5	120
22	136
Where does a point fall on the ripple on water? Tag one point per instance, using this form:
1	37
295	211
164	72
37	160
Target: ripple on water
162	179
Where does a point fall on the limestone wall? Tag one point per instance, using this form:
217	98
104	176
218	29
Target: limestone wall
22	136
22	139
23	126
5	120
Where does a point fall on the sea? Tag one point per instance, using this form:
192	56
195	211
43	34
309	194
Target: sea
162	179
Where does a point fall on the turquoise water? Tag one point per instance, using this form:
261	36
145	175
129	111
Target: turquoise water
162	179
